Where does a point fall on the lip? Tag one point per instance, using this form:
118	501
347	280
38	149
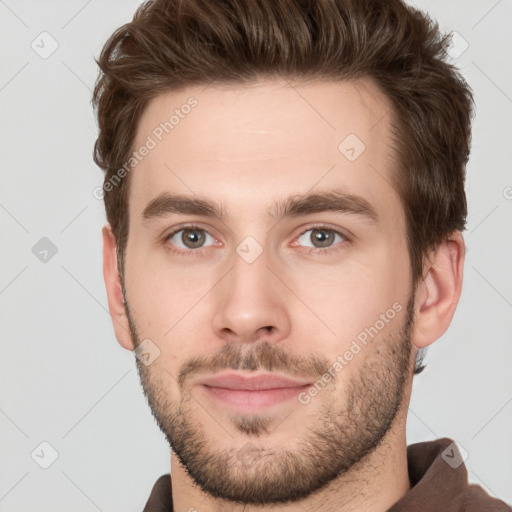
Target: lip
254	393
236	381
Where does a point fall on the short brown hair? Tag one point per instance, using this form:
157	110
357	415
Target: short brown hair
171	44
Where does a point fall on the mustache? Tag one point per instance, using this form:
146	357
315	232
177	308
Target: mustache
261	356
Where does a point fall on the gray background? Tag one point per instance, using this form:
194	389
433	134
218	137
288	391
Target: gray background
64	378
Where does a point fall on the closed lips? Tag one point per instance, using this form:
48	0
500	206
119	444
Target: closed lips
254	383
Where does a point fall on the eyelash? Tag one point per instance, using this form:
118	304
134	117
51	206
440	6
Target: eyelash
310	250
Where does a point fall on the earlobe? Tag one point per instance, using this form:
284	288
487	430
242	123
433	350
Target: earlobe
114	290
438	293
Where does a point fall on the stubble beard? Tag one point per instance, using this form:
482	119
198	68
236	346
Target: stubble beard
343	436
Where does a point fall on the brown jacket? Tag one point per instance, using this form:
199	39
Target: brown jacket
438	477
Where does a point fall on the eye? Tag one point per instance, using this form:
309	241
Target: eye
321	237
188	238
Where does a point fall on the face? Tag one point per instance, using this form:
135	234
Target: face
267	280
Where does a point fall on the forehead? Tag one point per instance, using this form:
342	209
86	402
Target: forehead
265	139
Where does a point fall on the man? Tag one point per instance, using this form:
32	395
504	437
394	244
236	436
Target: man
285	195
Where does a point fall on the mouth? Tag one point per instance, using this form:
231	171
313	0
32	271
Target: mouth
250	394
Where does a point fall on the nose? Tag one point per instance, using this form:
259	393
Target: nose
252	303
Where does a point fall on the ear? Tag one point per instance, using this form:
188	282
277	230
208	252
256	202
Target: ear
437	295
115	297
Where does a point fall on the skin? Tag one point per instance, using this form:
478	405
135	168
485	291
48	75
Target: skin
247	146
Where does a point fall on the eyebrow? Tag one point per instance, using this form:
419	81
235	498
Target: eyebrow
296	206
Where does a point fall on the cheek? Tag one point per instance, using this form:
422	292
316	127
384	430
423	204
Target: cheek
168	305
348	298
154	283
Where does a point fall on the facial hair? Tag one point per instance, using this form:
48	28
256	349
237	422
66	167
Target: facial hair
344	435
